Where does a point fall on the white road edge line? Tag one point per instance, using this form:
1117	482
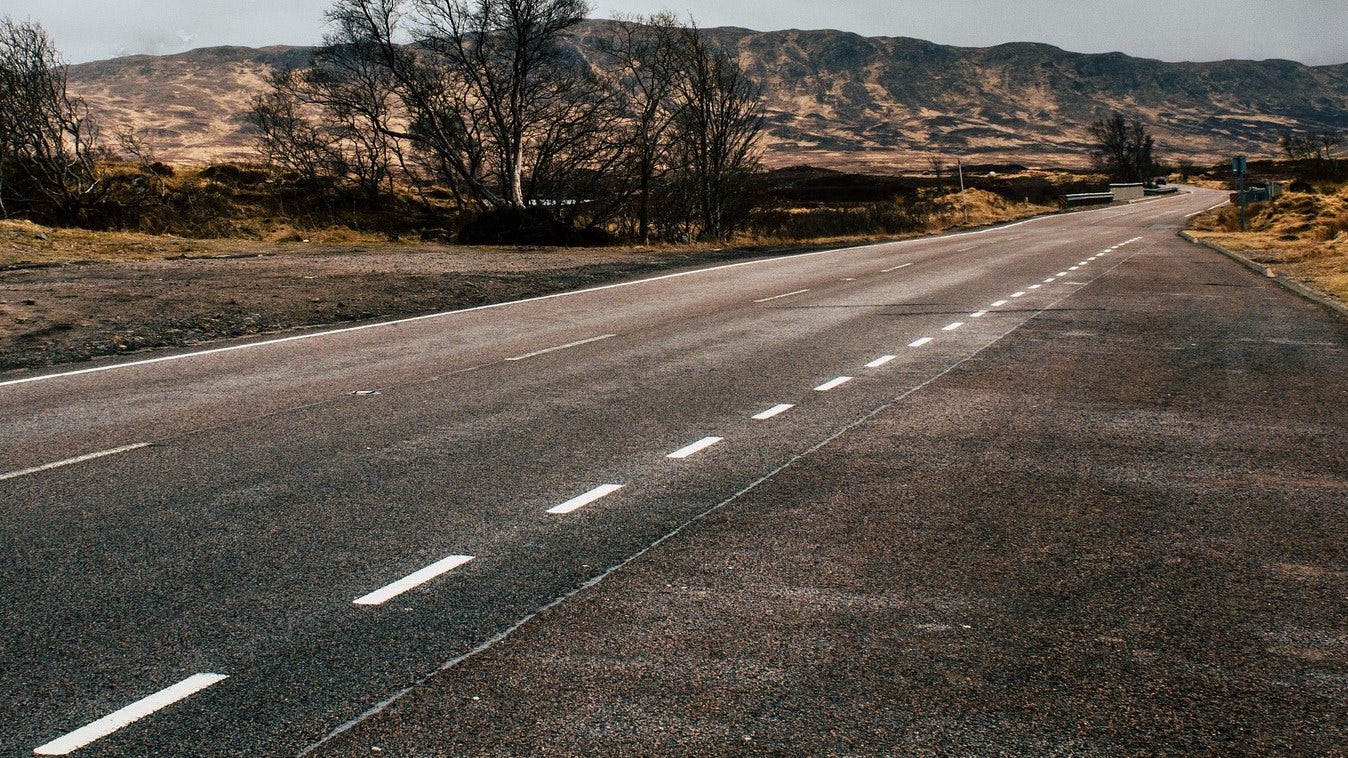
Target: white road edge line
490	306
567	346
779	297
72	461
833	384
129	715
695	448
896	268
775	410
920	342
882	360
580	501
413	580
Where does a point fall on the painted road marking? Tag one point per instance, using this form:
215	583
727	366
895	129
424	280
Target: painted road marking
695	448
920	342
896	268
999	303
833	384
1051	280
580	501
978	314
1017	294
779	297
952	327
567	346
1061	274
775	410
1074	268
415	579
1034	286
72	461
129	715
882	360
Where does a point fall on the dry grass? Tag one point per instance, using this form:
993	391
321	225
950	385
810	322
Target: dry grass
1300	235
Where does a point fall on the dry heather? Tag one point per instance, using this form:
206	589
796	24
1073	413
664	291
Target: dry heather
1301	235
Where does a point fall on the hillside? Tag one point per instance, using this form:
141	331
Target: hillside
836	99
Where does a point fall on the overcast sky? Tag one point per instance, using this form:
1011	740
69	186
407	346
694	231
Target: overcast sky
1310	31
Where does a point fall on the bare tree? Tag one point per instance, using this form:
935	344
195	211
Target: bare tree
47	140
1123	148
719	117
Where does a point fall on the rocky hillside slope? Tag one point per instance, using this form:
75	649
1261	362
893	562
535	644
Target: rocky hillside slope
837	99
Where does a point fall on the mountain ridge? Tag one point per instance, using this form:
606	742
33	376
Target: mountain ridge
834	99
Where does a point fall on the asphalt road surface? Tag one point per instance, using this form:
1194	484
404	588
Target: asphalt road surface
1066	486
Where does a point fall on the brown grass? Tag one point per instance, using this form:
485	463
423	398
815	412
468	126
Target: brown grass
1300	235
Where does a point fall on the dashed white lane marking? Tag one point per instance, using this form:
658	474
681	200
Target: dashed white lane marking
1061	274
567	346
695	448
1051	280
580	501
779	297
72	461
1018	294
978	314
415	579
952	327
1034	286
1074	268
833	384
129	715
775	410
1000	303
920	342
882	360
896	268
1084	263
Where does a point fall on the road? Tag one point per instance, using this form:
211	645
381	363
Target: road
246	549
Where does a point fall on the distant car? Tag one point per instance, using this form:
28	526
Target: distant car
1158	181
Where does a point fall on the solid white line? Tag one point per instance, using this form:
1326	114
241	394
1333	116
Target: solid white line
896	268
999	303
695	448
833	384
129	715
779	297
920	342
1018	294
882	360
966	249
567	346
581	501
978	314
415	579
775	410
72	461
952	327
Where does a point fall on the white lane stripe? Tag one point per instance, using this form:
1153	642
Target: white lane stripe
882	360
1034	286
833	384
775	410
920	342
952	327
567	346
695	448
978	314
1084	263
581	501
1061	274
415	579
999	303
129	715
1051	280
72	461
779	297
1074	268
1017	294
896	268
